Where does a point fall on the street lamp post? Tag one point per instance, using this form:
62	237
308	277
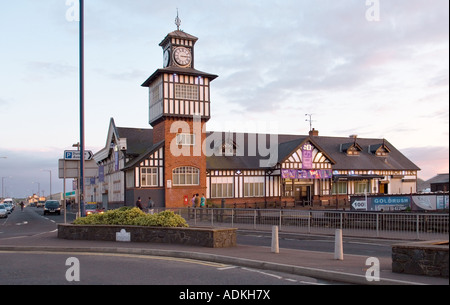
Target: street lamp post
50	171
39	188
81	182
3	183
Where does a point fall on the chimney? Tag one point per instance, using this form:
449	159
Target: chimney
313	133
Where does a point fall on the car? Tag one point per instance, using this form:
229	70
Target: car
91	208
9	207
52	207
3	212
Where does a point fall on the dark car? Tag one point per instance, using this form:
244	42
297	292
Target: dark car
52	207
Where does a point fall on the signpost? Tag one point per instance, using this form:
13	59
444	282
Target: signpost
76	154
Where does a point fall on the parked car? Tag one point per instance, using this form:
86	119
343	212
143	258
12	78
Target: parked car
52	207
3	212
9	207
92	208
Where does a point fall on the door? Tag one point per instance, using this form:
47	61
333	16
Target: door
303	194
105	201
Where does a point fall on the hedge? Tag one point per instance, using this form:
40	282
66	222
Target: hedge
133	217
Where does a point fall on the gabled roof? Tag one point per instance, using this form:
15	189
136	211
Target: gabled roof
135	161
136	140
365	160
139	144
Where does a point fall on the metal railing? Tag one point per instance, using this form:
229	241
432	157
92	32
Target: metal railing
396	225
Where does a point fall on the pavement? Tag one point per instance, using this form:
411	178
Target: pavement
321	265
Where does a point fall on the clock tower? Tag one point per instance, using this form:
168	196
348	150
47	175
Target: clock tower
179	107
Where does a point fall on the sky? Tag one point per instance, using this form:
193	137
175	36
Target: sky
375	68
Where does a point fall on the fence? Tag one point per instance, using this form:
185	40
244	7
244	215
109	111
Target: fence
397	225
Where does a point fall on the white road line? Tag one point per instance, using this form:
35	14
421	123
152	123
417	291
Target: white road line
226	268
265	273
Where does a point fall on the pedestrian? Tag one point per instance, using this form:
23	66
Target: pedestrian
197	200
193	200
202	201
139	203
21	205
151	204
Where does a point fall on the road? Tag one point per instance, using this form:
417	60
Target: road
20	267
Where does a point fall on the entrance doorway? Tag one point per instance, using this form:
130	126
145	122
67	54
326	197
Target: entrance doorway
302	194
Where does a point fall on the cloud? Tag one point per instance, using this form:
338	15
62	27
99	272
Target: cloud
51	69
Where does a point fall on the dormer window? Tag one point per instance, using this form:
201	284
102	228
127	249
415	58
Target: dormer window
351	149
379	150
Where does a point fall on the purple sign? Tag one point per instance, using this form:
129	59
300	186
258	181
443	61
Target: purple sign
306	174
307	156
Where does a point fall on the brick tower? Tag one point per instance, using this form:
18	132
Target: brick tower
179	107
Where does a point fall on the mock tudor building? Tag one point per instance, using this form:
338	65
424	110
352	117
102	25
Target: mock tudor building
177	157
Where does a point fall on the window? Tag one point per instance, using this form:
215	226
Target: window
186	175
362	187
222	187
254	189
185	139
340	187
186	92
253	186
149	176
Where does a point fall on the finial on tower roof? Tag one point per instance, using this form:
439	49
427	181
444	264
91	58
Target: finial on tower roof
177	21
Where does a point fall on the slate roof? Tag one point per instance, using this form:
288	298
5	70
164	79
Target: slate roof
140	145
176	70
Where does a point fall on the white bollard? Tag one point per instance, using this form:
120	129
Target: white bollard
275	245
338	246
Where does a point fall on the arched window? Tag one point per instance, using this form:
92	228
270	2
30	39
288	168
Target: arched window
186	175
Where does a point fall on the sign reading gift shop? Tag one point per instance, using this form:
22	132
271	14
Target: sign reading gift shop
306	173
307	161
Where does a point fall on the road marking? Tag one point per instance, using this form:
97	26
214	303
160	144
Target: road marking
142	256
226	268
265	273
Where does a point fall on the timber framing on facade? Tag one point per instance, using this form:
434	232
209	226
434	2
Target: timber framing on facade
177	158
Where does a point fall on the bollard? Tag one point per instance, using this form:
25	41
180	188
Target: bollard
338	247
275	245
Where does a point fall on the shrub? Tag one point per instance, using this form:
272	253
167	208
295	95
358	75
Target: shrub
134	217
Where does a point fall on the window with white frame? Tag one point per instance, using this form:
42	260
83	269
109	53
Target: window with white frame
186	175
362	187
221	187
149	176
253	186
340	187
185	139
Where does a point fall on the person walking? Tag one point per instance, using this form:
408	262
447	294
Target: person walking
202	201
21	206
139	203
197	200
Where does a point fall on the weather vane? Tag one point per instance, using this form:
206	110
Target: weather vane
177	21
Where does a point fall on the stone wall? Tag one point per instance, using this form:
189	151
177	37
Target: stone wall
205	237
428	258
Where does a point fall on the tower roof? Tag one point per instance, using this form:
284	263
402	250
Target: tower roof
178	34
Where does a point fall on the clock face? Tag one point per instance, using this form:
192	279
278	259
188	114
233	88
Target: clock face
182	56
166	58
